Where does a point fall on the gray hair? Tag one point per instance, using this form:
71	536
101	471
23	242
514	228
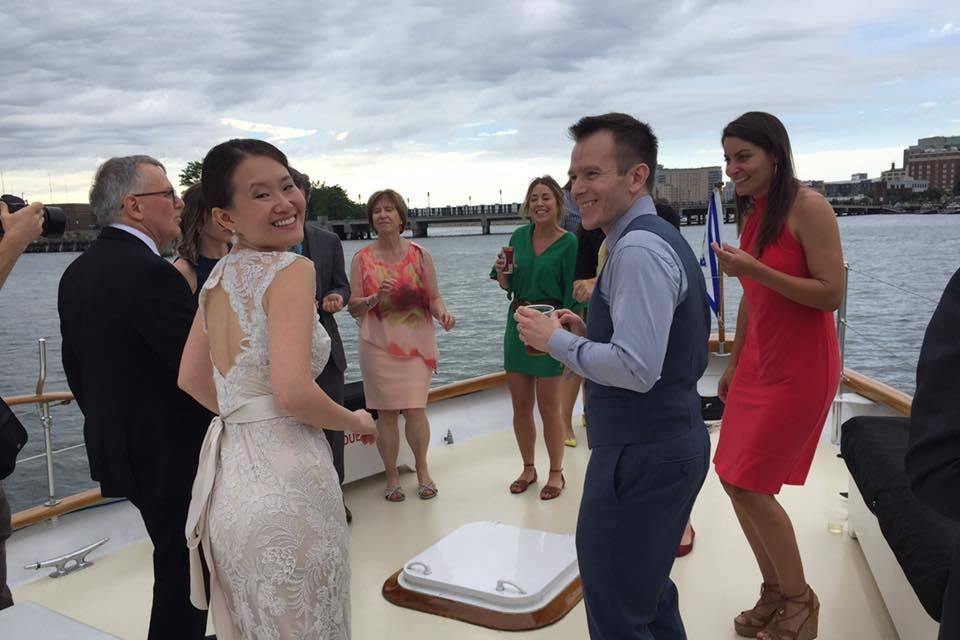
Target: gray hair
114	180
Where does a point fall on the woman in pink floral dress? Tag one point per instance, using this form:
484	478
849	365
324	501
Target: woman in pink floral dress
395	298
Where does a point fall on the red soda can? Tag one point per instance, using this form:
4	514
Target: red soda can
508	263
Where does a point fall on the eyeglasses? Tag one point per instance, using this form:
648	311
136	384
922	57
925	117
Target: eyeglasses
169	193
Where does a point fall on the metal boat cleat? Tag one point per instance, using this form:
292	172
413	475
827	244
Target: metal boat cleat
69	562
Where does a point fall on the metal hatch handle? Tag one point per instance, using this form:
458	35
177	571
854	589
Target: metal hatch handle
503	584
417	563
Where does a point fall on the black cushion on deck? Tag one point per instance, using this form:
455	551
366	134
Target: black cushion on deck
923	541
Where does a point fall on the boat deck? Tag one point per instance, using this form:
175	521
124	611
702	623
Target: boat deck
716	581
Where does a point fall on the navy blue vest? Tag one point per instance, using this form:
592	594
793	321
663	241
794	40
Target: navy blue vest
617	416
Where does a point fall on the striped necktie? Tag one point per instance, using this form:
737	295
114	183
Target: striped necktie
602	256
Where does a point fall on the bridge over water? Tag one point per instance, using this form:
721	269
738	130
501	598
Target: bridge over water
485	216
82	232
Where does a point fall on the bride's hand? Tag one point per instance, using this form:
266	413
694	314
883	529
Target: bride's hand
364	426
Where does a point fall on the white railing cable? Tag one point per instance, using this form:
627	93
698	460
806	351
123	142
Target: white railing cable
897	357
895	286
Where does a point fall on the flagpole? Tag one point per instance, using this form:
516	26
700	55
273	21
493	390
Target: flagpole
721	314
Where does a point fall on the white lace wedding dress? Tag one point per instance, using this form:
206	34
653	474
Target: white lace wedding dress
267	504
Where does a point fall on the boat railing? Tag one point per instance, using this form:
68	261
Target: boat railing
44	400
55	506
856	382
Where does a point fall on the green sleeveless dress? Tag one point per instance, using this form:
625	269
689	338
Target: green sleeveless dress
546	278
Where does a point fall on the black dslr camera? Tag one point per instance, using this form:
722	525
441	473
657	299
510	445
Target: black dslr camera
54	220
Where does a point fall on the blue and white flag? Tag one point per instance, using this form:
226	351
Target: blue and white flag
708	259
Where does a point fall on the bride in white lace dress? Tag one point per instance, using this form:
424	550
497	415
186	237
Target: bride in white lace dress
267	509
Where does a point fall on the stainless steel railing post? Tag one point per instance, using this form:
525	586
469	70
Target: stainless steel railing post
44	410
842	315
842	338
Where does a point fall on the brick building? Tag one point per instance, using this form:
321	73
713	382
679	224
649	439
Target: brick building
935	160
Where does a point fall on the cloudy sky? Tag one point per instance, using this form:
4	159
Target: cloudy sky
462	99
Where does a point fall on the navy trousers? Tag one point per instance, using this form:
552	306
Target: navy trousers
636	502
331	381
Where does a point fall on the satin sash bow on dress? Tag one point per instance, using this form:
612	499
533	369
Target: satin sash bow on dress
252	410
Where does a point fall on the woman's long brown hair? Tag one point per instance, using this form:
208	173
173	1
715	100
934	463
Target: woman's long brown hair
767	132
192	220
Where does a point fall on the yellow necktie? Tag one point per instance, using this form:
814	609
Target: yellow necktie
602	256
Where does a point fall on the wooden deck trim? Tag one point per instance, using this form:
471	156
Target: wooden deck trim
470	385
77	501
554	610
877	391
53	396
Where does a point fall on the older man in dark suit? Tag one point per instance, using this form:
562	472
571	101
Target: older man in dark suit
125	313
333	292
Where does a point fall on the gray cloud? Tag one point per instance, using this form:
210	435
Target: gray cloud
82	83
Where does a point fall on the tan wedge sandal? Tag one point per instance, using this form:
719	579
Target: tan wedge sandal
808	627
752	621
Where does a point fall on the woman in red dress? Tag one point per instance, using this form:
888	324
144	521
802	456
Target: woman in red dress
785	365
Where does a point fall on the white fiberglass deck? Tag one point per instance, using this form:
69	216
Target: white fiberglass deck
495	566
716	581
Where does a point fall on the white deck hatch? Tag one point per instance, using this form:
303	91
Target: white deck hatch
495	566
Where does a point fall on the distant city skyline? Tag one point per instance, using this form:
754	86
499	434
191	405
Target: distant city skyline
463	100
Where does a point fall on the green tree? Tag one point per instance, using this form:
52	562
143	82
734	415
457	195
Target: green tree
191	173
333	202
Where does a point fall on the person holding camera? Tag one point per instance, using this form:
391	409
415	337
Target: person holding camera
18	232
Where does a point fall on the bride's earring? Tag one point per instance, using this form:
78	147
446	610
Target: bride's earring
234	238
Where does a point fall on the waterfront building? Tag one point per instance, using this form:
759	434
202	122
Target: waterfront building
859	187
686	186
936	160
897	182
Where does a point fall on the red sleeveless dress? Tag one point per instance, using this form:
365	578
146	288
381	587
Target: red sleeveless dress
785	380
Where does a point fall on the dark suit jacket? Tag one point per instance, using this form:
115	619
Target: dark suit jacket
124	315
325	251
933	461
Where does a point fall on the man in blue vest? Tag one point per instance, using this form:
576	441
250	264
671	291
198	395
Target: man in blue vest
642	351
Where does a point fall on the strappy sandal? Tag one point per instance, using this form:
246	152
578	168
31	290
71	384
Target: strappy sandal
394	494
427	490
548	492
751	622
520	485
807	629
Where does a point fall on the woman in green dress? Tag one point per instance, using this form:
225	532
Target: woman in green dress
544	257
